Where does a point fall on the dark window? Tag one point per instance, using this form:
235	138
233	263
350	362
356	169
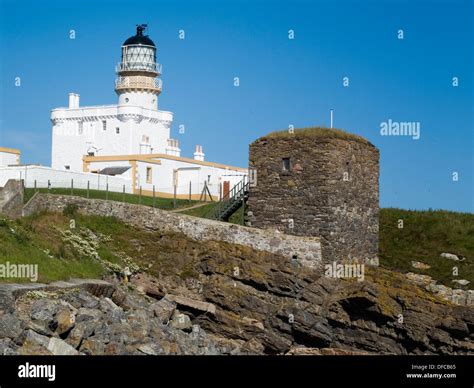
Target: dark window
286	164
117	130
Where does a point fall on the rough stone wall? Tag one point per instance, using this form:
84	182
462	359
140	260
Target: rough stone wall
331	191
11	198
303	250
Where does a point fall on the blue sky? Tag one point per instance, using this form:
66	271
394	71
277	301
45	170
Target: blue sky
282	82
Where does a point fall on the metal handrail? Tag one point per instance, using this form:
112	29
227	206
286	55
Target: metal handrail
235	196
139	66
126	82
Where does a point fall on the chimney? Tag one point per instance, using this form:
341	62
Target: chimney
73	100
199	155
178	150
173	148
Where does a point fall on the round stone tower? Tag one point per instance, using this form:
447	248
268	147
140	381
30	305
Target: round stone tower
137	83
318	182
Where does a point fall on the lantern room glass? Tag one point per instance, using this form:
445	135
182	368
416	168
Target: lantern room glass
139	58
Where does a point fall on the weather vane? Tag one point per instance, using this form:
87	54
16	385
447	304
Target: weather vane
141	28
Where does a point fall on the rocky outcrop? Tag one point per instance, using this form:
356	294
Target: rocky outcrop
384	314
247	304
213	297
456	296
73	322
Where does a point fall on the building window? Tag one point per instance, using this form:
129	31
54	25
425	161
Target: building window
208	179
67	167
286	164
149	175
117	130
104	125
80	127
126	99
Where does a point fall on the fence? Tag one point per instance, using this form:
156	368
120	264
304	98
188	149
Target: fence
113	192
91	185
40	176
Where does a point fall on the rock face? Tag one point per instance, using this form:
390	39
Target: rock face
269	306
456	296
210	297
450	256
318	186
9	326
105	328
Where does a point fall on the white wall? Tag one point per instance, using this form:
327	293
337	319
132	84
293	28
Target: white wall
163	177
60	178
139	98
96	166
7	158
69	145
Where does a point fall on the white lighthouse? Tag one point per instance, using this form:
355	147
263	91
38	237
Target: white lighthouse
130	142
133	126
137	82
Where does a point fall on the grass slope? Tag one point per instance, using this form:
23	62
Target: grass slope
39	239
205	210
162	203
424	236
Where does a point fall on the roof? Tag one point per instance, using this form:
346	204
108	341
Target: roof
114	170
317	133
139	38
10	150
154	158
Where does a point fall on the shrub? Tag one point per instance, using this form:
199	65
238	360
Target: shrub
70	210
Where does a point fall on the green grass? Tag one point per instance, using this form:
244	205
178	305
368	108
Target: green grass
35	241
317	132
201	211
424	236
205	210
38	240
236	218
162	203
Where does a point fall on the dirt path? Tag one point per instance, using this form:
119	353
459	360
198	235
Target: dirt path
189	208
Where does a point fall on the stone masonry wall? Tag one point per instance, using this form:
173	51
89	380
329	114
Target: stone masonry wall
331	191
305	250
11	198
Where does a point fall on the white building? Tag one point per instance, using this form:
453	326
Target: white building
132	139
9	156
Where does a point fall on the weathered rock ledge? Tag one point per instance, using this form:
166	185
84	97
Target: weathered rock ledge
264	308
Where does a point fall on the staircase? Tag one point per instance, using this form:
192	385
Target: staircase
230	203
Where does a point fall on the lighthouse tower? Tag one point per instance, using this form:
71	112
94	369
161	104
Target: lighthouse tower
134	126
137	83
130	141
